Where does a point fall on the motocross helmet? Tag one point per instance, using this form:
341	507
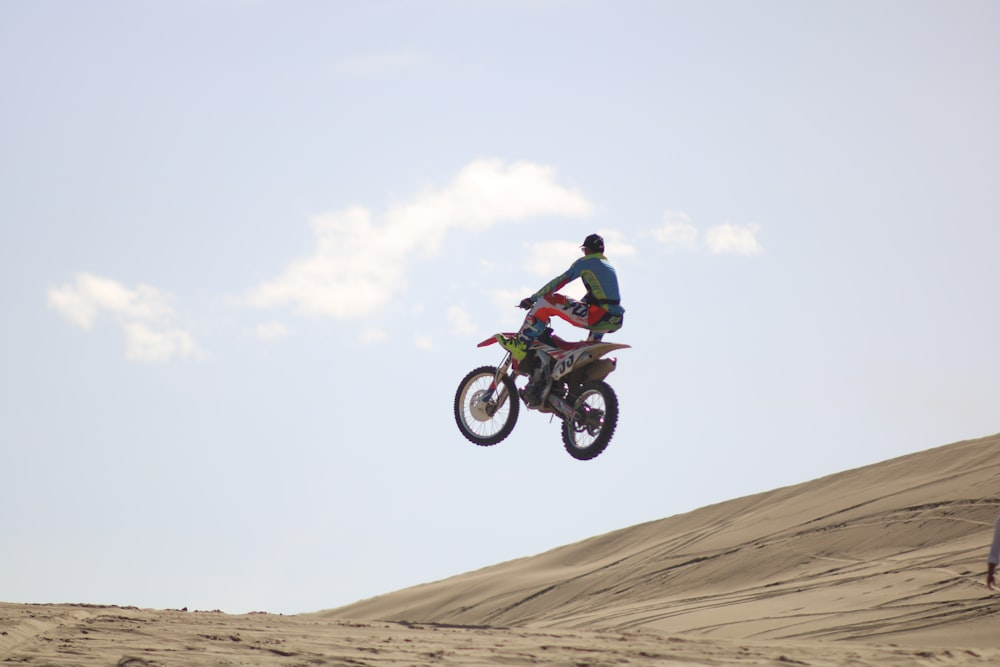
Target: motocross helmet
593	243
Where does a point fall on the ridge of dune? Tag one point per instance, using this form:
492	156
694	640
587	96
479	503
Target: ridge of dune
893	551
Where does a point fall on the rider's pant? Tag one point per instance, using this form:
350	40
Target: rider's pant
584	315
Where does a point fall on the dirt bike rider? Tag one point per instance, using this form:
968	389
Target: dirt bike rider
600	311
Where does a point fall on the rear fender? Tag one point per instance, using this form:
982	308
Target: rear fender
578	360
595	370
600	349
598	370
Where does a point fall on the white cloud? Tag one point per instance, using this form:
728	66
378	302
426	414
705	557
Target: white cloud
615	245
678	233
144	315
360	263
677	236
153	344
424	342
373	336
460	320
272	331
505	310
351	274
547	259
74	306
733	240
506	299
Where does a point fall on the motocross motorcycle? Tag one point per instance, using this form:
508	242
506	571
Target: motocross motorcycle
487	405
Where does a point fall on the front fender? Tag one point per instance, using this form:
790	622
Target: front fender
493	339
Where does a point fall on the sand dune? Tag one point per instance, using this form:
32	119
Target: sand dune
883	565
892	552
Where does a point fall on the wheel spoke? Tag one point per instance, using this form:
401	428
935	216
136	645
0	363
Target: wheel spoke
593	423
485	422
589	418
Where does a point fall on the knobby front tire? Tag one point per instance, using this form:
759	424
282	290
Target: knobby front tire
486	424
595	418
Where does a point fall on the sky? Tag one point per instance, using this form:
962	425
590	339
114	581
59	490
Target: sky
248	249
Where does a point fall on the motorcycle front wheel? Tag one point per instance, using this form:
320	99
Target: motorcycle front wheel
485	416
595	416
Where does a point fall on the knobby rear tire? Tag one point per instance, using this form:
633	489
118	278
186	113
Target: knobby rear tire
478	427
585	439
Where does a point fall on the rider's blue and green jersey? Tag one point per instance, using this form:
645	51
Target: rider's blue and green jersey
599	277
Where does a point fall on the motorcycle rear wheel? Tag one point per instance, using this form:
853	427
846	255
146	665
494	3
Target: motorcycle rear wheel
486	423
595	417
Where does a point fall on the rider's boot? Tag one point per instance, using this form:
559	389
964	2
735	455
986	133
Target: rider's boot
518	345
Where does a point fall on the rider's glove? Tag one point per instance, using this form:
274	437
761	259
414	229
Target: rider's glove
527	303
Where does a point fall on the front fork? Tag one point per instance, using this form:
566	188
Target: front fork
490	405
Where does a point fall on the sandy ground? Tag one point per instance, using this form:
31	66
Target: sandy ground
883	565
88	635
